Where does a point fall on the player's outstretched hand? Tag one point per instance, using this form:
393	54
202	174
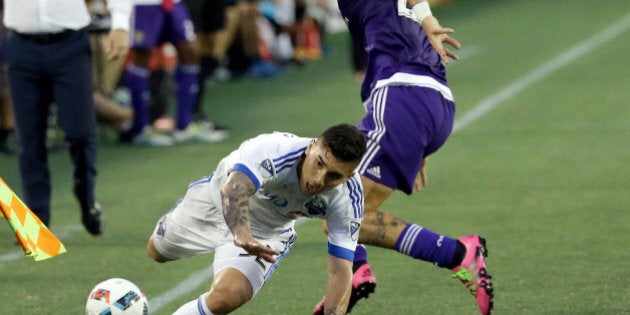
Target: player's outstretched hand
255	248
439	35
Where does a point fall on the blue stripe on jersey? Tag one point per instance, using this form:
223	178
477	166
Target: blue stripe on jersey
287	160
243	169
199	306
340	252
356	196
205	179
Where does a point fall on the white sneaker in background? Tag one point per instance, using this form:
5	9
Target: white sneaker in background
200	132
151	138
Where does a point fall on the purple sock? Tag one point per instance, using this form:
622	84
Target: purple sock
421	243
360	255
137	80
186	78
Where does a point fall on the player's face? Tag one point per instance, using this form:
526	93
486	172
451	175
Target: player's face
321	171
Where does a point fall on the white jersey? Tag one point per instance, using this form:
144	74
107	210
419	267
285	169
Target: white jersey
271	160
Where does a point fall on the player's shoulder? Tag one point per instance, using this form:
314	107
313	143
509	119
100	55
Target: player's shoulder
276	145
279	141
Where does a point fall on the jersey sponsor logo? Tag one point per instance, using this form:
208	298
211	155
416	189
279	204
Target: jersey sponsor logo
374	171
354	230
278	201
316	207
266	168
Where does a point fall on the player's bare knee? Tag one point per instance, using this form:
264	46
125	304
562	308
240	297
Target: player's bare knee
224	300
230	290
154	253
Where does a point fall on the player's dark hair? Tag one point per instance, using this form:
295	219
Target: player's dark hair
345	142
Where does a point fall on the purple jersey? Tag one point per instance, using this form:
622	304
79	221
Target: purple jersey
392	41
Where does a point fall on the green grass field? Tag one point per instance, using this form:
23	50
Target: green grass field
538	164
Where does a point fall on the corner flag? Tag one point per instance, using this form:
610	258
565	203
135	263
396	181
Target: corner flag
35	238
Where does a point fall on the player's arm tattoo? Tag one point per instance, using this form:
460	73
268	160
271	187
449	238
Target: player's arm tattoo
235	198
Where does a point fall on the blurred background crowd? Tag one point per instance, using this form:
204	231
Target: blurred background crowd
222	40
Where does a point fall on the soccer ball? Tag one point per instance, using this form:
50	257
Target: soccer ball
116	296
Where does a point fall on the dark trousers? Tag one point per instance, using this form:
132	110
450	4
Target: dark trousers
42	73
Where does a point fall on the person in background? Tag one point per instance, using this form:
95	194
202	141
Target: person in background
155	23
106	72
410	113
7	123
49	60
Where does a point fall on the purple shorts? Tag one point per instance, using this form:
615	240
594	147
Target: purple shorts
152	26
403	125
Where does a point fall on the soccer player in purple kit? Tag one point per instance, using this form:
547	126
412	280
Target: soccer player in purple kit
409	115
156	22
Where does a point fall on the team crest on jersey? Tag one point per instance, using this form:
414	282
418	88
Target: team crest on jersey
316	207
161	230
354	230
266	168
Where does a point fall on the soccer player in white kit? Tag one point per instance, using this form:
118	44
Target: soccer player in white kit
245	212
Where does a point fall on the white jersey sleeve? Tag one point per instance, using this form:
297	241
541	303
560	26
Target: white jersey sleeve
344	219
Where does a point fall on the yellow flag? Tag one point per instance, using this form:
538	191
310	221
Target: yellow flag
34	237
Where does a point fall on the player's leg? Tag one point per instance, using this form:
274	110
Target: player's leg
230	290
136	77
464	256
239	276
179	30
148	21
154	253
31	98
73	93
386	230
181	33
186	76
392	162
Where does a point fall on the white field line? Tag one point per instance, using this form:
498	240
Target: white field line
543	71
465	53
184	287
191	283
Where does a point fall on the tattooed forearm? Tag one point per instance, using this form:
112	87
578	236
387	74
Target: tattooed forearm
235	197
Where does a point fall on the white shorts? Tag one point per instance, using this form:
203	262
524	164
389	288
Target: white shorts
178	235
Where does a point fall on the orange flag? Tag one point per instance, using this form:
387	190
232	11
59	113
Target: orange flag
34	237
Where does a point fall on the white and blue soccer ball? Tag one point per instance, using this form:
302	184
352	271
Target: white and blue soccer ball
116	296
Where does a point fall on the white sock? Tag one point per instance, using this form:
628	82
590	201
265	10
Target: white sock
194	307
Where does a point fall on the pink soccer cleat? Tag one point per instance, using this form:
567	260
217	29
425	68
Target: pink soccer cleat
473	273
363	284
